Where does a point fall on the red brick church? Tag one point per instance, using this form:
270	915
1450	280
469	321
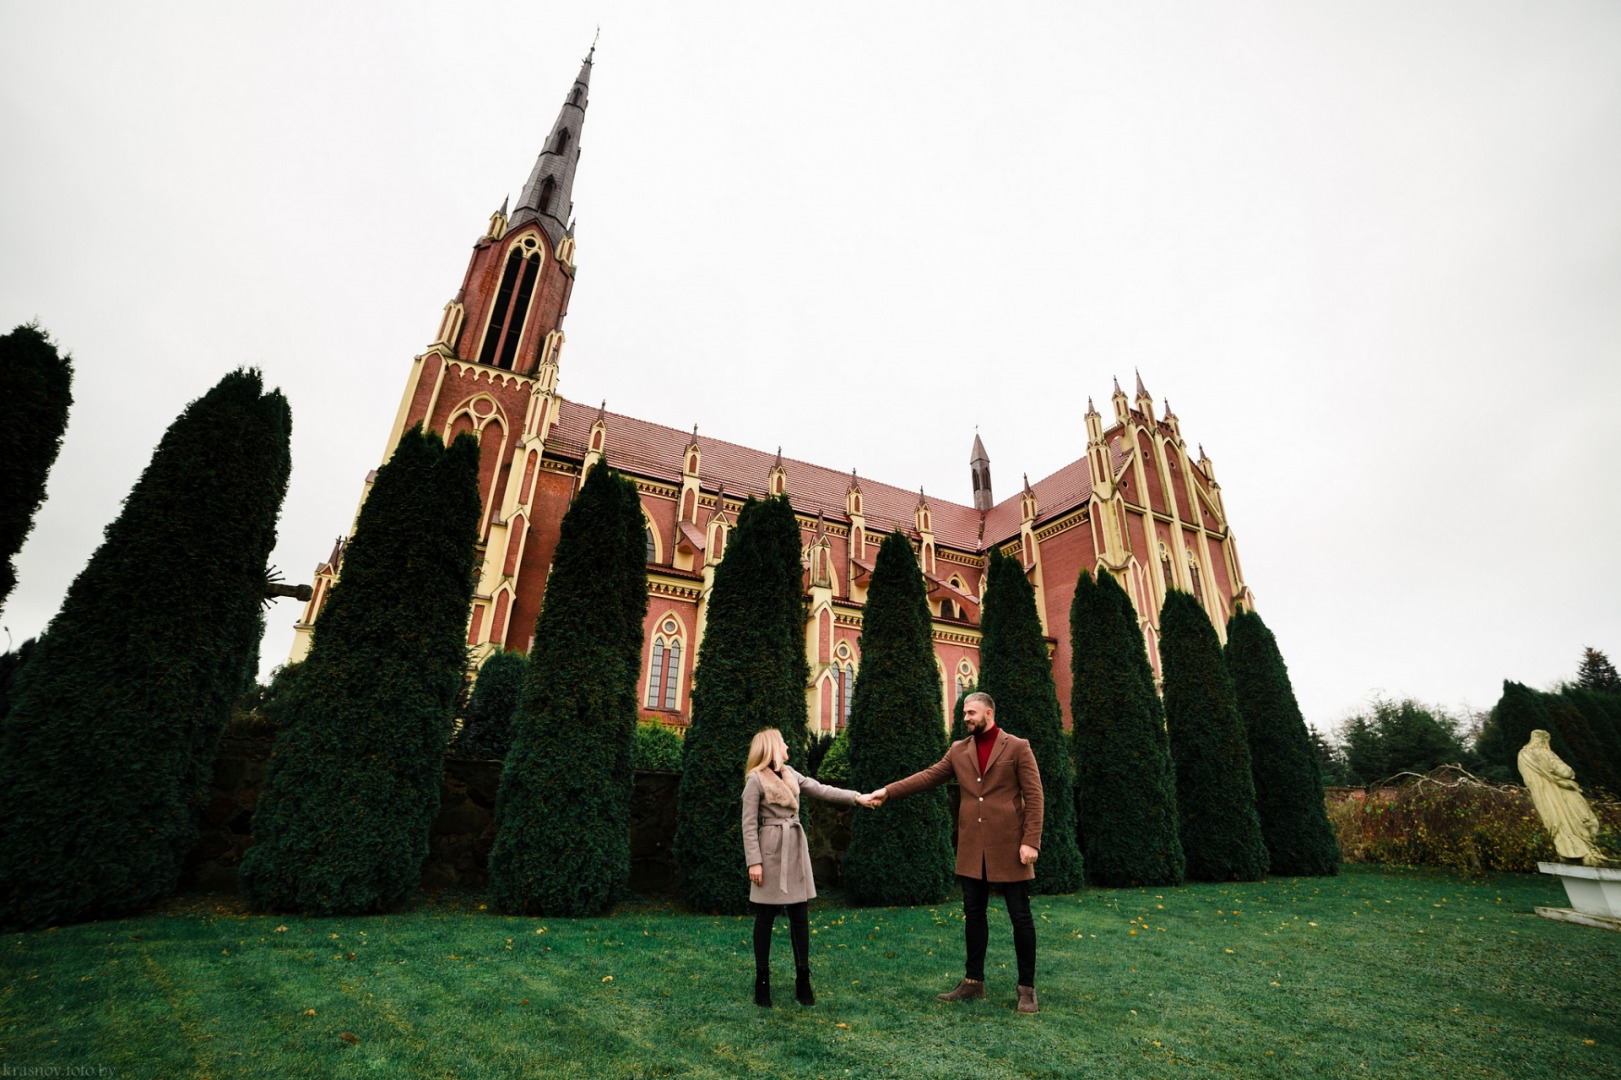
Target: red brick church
1136	504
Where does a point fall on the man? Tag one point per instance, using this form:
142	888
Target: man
998	837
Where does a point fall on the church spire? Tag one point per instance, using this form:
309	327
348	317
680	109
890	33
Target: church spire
979	463
548	196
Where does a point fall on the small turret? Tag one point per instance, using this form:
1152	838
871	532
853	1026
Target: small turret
1122	407
778	479
1144	400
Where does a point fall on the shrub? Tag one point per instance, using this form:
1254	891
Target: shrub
1215	787
1453	819
1125	782
835	766
574	737
1015	670
1520	711
117	715
658	746
352	787
1597	673
1401	736
816	748
487	728
900	853
1283	758
36	391
750	675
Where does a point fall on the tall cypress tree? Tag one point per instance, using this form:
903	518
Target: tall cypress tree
901	853
959	721
36	391
1215	788
750	676
487	728
1017	673
116	716
1597	673
572	757
1283	760
353	784
1125	782
1517	713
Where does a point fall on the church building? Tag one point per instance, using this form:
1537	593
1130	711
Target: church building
1135	503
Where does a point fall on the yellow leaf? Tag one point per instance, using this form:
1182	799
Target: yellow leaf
607	978
846	1027
309	1012
1229	951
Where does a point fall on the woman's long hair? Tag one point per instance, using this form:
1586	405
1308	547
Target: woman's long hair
768	750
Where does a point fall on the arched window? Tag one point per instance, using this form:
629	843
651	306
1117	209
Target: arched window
547	187
652	546
574	98
1165	566
1193	576
664	669
561	143
846	688
511	305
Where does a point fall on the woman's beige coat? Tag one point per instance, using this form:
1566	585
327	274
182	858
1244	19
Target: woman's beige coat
774	838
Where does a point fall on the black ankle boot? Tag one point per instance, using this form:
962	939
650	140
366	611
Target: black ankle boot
762	989
802	987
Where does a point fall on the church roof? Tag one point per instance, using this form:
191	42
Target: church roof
656	452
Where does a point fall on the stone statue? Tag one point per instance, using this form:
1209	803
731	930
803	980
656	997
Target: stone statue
1564	813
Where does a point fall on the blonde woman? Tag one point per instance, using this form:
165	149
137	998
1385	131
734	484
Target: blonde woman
778	856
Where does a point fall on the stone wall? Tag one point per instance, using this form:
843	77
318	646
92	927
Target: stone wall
459	843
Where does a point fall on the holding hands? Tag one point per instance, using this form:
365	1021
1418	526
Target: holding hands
873	800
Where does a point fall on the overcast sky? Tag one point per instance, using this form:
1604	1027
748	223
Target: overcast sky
1370	252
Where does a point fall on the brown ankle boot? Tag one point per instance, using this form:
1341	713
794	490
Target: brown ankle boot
967	990
1027	1000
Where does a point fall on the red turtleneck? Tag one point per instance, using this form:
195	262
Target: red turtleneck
984	741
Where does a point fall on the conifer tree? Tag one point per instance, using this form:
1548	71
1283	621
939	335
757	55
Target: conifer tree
573	750
1283	758
36	391
1603	715
1215	788
1597	673
959	721
900	853
117	714
1125	782
750	676
1517	713
487	728
342	823
1017	673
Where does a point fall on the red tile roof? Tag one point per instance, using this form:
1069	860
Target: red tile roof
655	452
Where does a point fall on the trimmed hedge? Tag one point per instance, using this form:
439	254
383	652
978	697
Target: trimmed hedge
1283	761
1015	670
562	815
36	391
117	714
901	853
658	747
1215	789
487	728
1125	782
750	675
353	782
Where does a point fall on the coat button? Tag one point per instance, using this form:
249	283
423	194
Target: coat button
982	821
982	798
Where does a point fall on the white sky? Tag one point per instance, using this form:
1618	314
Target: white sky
1371	253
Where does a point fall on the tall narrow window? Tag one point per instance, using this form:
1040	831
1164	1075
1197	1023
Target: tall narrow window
652	546
544	203
562	141
673	660
1193	576
655	675
503	304
519	312
847	686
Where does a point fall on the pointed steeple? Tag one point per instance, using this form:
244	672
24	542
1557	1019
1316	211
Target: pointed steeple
548	196
980	465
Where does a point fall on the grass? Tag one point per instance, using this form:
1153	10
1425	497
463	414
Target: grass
1374	973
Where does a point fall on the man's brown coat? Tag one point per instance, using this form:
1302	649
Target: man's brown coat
1001	808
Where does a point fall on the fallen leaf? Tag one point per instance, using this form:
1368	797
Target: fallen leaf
333	936
846	1027
349	1037
281	929
525	1001
309	1012
1229	951
607	978
351	956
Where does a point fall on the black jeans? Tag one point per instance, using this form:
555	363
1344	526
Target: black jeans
798	933
1016	894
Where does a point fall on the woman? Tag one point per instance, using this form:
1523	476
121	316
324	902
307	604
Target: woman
778	856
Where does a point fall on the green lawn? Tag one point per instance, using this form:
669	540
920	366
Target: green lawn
1375	973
